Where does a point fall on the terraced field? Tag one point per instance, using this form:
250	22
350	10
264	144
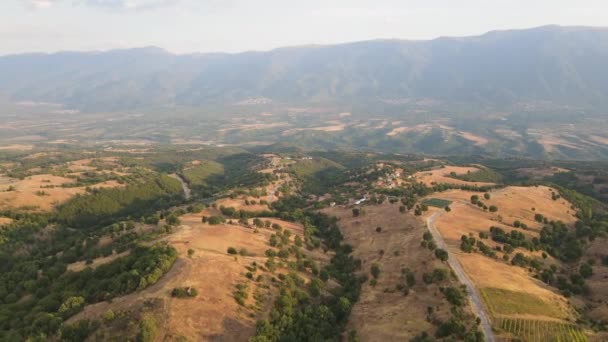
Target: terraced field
535	330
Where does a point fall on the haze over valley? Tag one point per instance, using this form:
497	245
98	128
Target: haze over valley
444	189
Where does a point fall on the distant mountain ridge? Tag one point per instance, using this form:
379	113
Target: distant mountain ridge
551	65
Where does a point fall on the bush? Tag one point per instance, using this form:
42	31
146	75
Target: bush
375	270
586	270
231	250
184	292
147	329
493	208
441	254
427	236
214	220
109	316
454	296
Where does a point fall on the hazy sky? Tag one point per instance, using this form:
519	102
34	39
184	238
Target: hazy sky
239	25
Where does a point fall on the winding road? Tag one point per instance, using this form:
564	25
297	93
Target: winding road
187	191
477	305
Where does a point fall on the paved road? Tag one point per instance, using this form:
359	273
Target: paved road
187	191
478	308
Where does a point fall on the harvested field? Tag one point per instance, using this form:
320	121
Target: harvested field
17	147
476	139
239	203
441	176
40	191
382	312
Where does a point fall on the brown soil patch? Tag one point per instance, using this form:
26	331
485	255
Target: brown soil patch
541	172
26	194
382	312
5	220
239	203
440	176
17	147
81	265
478	140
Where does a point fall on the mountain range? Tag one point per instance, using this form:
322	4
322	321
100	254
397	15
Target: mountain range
546	67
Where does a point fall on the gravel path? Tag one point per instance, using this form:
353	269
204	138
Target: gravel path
478	308
187	191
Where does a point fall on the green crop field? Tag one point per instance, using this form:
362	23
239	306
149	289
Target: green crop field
505	302
436	202
534	330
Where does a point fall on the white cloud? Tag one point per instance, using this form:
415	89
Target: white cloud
41	4
131	4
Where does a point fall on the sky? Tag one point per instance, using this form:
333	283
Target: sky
186	26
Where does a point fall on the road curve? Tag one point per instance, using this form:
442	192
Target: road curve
477	305
187	191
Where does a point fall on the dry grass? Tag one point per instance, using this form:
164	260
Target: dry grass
17	147
5	220
440	176
239	203
598	309
514	203
381	315
541	172
81	265
26	194
478	140
506	302
213	314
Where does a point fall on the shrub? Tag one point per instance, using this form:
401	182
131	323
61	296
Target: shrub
214	220
109	316
454	296
441	254
375	270
184	292
231	250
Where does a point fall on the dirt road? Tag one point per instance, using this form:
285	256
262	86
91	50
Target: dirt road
187	191
478	308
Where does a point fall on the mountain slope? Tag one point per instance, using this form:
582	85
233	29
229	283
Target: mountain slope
549	66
